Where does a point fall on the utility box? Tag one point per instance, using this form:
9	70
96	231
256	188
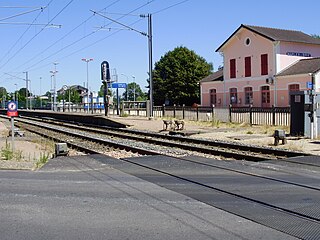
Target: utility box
301	108
61	149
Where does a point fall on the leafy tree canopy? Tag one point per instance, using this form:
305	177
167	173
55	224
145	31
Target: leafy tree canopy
134	92
3	92
177	75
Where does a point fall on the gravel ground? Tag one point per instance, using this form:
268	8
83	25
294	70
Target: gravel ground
240	133
31	147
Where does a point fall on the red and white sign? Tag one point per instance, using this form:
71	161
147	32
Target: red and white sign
12	109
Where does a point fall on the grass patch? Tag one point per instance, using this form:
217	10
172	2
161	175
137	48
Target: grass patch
8	154
44	157
124	115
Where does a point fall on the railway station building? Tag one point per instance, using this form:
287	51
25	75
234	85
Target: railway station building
261	66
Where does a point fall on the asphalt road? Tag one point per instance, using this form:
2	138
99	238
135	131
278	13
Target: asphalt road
82	198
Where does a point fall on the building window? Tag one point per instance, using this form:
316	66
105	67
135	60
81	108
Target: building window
265	96
247	66
293	88
248	41
233	96
264	64
248	94
213	96
232	68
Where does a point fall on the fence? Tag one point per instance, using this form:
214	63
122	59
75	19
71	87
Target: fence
260	116
252	115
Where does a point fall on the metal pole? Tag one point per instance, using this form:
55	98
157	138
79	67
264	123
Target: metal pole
87	60
26	90
127	85
134	88
69	100
12	133
54	87
88	84
40	94
150	64
313	127
30	105
51	90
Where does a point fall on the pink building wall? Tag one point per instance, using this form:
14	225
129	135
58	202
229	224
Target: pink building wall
237	49
284	48
279	58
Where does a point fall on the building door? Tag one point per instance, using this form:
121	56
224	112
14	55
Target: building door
248	94
213	97
265	96
233	96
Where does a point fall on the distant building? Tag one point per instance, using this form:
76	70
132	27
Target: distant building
81	90
261	67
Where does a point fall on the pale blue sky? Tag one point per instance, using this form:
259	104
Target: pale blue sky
200	25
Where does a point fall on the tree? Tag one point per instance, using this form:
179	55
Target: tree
74	96
3	96
177	75
315	36
134	92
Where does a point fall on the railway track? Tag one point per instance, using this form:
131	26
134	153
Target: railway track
269	209
147	143
277	202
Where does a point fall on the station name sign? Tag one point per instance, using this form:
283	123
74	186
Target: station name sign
298	54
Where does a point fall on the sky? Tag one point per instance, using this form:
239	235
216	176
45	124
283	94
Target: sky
37	34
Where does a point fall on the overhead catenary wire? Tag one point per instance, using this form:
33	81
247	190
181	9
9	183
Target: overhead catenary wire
171	6
30	68
22	35
36	66
30	40
20	14
63	37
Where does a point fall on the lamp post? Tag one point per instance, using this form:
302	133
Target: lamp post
134	88
40	94
127	85
26	89
51	91
15	94
87	60
53	76
54	72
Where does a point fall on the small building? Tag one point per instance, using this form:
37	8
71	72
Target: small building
77	88
261	67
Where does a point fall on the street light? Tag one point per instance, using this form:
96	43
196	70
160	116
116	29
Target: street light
54	107
51	91
40	94
87	60
134	88
54	72
15	94
127	84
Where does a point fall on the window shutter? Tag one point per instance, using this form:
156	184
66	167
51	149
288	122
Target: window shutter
232	68
247	64
264	64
